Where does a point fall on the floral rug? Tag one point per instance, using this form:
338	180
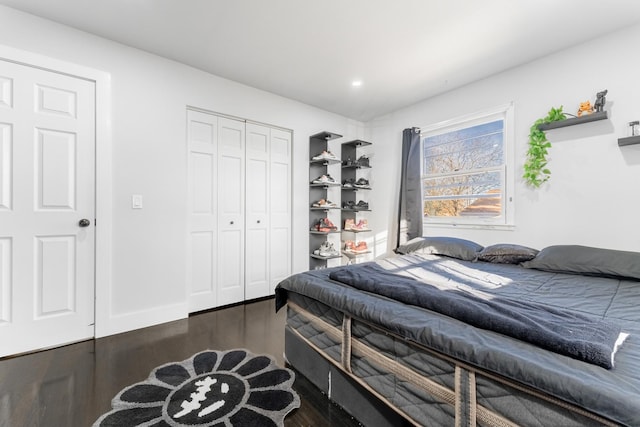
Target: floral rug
212	388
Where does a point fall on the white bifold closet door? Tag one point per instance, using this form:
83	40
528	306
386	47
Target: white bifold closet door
239	210
231	169
268	205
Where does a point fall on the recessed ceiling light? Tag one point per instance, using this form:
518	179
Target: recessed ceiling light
356	83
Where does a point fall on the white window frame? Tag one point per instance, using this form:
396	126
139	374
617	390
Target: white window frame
506	219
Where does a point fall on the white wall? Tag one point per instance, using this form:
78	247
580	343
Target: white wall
593	196
591	199
149	99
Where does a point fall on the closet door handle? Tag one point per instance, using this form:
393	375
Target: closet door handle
258	221
231	222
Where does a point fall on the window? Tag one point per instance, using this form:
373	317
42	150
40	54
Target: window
465	170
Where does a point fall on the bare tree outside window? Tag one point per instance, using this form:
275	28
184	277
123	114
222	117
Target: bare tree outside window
463	171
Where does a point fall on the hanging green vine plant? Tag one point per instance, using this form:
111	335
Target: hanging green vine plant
535	168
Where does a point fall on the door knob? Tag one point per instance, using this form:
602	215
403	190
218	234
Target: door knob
84	222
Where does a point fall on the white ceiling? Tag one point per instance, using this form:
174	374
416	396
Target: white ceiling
403	51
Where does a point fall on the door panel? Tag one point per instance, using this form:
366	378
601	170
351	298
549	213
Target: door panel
202	170
280	207
5	281
6	92
6	173
55	281
202	281
230	250
47	184
55	170
257	193
54	100
230	284
202	136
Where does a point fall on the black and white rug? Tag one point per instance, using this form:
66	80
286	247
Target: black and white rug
212	388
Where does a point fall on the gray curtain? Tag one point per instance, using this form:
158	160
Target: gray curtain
410	214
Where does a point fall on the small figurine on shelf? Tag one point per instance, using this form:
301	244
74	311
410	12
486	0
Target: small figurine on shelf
585	108
600	101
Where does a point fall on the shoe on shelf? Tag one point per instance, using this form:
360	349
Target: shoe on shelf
326	223
324	179
362	225
347	162
323	225
326	249
361	183
363	161
349	245
349	205
323	247
330	250
362	205
322	203
349	223
360	248
348	183
325	155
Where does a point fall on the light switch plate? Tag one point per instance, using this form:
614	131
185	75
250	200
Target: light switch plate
136	201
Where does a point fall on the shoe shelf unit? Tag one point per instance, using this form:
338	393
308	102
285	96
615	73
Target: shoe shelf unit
324	236
355	184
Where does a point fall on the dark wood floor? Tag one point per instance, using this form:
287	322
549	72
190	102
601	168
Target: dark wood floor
73	385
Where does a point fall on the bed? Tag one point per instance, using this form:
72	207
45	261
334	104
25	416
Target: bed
389	359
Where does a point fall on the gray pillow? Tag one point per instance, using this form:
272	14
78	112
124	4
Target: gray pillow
447	246
588	261
507	253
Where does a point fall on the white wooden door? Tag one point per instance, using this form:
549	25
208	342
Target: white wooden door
268	206
257	211
231	185
47	186
202	135
279	207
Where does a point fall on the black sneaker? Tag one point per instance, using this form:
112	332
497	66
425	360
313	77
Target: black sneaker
348	183
349	205
363	161
361	183
362	205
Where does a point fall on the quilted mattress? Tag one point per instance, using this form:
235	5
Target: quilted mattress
441	372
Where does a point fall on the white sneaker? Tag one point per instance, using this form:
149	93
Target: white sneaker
325	155
327	249
324	179
321	249
322	203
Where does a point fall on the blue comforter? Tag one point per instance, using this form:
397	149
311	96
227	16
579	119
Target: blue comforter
566	332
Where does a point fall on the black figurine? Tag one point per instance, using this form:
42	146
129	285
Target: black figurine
600	101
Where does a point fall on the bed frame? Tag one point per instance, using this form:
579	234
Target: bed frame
451	392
